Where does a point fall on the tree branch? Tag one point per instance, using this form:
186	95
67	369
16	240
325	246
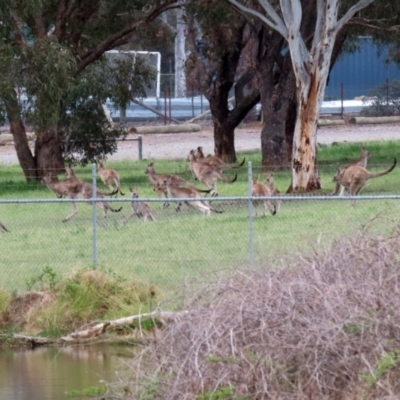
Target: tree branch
350	13
124	34
276	23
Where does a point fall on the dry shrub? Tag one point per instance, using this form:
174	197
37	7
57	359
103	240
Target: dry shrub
21	308
323	327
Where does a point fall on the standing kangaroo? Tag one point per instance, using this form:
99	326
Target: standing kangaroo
140	209
110	178
207	174
190	192
354	178
362	162
260	190
270	183
214	160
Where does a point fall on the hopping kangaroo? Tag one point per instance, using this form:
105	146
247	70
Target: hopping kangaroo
207	174
214	160
260	190
362	162
140	209
157	181
73	188
190	192
60	188
354	178
110	178
270	183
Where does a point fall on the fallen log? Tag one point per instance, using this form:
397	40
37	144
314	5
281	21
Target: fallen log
31	341
374	120
162	317
166	129
327	122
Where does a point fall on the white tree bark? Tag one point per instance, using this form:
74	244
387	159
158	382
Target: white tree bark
180	54
311	68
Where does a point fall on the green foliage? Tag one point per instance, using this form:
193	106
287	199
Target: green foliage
383	366
90	295
48	69
100	138
223	393
93	391
47	279
4	300
61	92
150	389
386	100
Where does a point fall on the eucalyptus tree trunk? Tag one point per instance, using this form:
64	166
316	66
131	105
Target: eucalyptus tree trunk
311	68
17	129
48	155
180	54
277	91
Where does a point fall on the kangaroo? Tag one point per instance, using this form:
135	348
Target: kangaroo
140	209
60	188
270	183
355	177
75	187
157	181
214	160
110	177
260	190
190	192
3	228
362	162
207	174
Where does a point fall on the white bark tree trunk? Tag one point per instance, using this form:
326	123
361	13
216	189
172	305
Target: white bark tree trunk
180	54
311	68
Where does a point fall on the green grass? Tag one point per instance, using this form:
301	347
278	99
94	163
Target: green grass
185	245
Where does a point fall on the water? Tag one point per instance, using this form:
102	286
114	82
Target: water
48	373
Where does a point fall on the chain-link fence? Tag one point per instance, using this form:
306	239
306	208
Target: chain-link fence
179	245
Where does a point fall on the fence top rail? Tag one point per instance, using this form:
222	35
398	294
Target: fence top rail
191	199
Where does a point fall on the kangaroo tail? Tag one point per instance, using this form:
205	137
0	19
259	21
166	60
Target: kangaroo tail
107	194
3	228
233	180
241	164
384	172
120	191
204	191
114	209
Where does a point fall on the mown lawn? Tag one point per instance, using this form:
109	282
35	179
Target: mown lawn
183	246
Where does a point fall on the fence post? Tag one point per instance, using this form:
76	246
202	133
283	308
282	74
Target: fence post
140	145
94	217
250	190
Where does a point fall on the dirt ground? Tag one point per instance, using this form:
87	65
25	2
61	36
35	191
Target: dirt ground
178	145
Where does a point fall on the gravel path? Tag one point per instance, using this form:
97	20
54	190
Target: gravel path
178	145
170	146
